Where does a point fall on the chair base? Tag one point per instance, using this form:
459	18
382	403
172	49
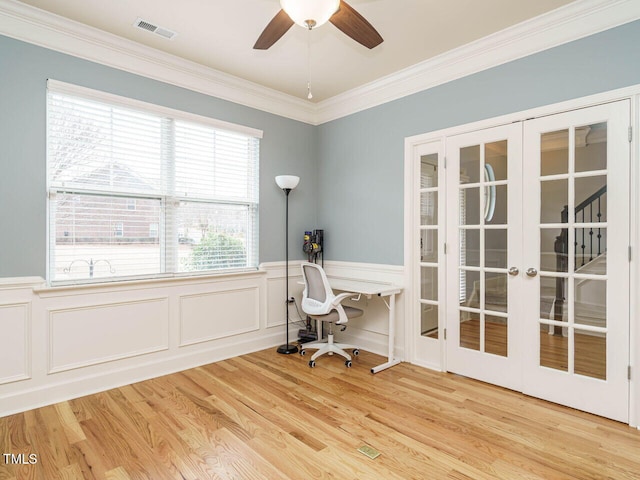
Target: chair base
329	347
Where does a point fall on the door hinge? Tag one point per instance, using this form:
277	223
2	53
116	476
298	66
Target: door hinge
445	161
445	248
445	333
629	252
629	372
630	133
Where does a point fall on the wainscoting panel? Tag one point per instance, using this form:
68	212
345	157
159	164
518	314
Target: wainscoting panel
58	343
84	336
15	341
277	314
209	316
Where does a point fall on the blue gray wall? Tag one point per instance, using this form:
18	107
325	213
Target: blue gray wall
361	157
288	147
351	168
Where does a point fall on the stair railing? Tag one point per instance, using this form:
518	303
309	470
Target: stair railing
585	250
585	213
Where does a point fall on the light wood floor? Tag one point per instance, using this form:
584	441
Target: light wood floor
590	355
269	416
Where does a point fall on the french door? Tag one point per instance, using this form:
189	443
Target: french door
576	256
483	248
537	257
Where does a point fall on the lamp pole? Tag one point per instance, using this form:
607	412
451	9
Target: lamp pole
287	183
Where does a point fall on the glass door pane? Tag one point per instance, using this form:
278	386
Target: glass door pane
483	238
429	271
573	239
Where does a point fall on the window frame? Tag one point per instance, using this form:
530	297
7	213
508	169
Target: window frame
169	201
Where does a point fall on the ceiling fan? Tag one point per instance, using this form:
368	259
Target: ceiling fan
313	13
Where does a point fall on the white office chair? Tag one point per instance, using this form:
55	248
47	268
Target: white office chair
319	302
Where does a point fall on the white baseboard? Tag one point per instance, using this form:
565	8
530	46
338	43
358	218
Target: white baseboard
86	384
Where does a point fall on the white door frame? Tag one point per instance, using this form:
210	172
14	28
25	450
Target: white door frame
411	261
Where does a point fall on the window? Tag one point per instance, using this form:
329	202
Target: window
140	190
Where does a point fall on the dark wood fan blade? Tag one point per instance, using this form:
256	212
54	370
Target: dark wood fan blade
277	27
355	26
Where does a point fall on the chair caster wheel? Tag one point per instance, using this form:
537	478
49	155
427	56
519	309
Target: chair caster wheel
303	352
356	352
312	363
348	363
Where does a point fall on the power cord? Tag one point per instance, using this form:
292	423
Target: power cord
300	321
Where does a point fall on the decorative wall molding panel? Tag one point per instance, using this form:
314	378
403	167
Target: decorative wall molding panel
65	342
15	342
84	336
213	315
276	312
70	341
16	331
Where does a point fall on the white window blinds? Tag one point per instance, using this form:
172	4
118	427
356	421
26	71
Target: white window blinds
139	190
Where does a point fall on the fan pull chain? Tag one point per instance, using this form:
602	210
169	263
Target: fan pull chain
309	94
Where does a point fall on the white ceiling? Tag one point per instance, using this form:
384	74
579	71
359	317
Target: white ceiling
220	34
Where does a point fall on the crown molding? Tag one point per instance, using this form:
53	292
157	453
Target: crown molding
29	24
571	22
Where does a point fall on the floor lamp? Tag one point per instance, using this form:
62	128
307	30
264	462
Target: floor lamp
287	183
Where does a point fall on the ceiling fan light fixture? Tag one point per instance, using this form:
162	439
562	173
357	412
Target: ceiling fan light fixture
310	13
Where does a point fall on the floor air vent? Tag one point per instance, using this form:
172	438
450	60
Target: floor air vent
150	27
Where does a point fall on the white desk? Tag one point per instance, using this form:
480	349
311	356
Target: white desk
370	289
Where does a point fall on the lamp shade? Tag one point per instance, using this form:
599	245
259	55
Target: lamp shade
287	181
300	11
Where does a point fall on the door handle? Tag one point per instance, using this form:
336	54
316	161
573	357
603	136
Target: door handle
531	272
514	271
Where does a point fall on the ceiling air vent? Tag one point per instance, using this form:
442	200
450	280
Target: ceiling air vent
150	27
